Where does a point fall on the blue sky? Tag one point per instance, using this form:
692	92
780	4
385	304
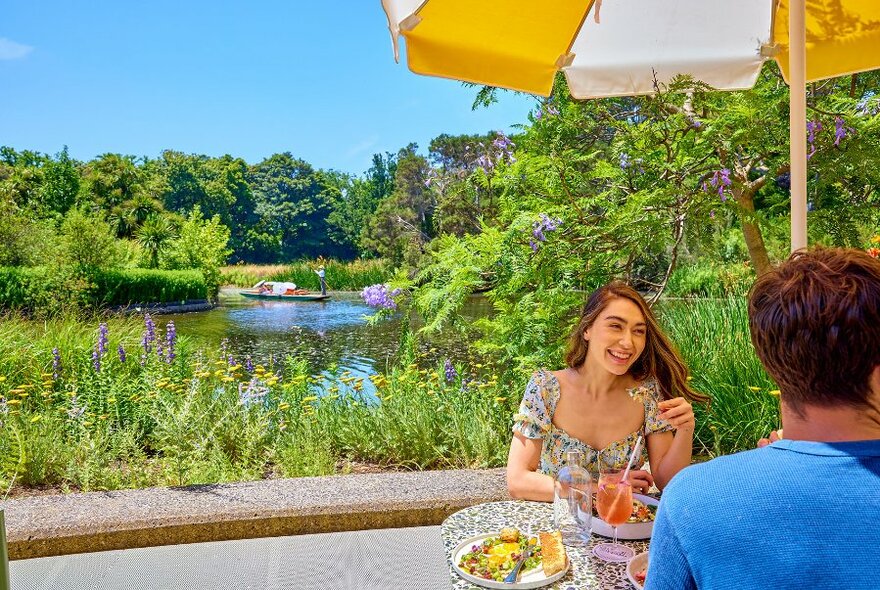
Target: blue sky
250	79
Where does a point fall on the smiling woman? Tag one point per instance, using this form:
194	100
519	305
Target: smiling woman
624	379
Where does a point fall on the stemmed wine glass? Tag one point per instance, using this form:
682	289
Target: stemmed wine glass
614	506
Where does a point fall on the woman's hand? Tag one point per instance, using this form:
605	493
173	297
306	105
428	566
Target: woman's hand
774	436
640	480
679	413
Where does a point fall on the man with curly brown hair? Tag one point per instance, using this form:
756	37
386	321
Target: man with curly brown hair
804	511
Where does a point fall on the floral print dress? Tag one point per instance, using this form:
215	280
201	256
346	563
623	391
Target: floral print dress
535	420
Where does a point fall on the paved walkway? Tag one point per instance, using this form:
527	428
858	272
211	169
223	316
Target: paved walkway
386	559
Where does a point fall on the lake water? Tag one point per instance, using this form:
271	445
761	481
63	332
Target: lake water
333	333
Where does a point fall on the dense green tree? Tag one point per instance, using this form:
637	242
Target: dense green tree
201	244
293	202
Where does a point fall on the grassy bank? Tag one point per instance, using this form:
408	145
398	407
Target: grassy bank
91	418
340	276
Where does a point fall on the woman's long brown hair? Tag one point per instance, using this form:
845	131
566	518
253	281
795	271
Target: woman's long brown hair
659	359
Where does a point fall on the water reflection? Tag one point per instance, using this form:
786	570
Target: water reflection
328	334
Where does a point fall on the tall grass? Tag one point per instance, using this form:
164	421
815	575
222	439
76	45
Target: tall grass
340	276
202	417
713	337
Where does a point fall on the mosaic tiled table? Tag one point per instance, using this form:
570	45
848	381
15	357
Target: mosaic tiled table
587	571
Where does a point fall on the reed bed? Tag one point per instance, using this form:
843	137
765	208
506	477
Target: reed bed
340	276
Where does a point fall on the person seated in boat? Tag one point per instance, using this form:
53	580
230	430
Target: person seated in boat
264	289
623	379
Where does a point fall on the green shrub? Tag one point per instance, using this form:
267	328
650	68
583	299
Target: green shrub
141	285
45	289
710	280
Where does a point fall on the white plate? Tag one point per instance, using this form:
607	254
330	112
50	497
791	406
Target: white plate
534	578
627	531
636	564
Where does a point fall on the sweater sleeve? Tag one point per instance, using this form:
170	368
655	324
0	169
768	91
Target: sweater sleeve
668	566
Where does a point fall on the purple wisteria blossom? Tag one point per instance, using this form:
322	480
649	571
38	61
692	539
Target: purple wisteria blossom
450	371
544	224
170	341
868	105
840	130
380	297
720	181
56	364
813	127
121	351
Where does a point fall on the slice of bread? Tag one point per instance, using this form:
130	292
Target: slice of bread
553	557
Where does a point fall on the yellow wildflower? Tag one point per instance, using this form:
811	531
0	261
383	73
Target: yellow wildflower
2	378
500	399
227	379
36	418
13	402
309	398
753	388
775	392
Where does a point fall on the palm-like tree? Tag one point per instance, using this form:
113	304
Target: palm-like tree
154	235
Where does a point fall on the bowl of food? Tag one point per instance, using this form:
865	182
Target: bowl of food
640	523
637	570
485	560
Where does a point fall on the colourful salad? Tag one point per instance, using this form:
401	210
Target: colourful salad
495	556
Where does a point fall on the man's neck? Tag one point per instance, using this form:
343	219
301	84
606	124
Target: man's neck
832	424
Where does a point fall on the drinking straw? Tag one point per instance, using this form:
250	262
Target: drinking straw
632	458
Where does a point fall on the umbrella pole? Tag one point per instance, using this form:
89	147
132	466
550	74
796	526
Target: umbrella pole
797	58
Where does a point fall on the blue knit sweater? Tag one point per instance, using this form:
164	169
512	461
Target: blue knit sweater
793	515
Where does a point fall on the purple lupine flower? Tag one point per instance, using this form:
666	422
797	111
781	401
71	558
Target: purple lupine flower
170	340
160	350
102	339
624	160
248	364
231	361
695	123
149	333
539	234
533	245
96	361
551	110
378	296
450	371
712	213
121	351
538	114
56	364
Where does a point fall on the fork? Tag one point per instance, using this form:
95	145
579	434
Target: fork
514	573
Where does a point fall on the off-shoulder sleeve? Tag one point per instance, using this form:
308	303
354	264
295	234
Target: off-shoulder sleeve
652	422
533	418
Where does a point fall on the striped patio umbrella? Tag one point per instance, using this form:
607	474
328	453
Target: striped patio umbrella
620	47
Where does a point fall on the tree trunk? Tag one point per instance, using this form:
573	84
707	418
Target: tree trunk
752	232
